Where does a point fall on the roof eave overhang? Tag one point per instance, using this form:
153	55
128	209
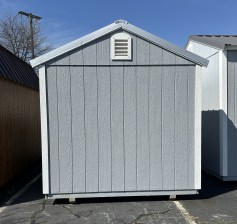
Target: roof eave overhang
74	44
216	45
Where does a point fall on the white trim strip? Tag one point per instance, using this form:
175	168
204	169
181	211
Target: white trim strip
198	109
44	130
223	112
123	194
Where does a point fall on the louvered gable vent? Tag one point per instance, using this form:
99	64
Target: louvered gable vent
121	47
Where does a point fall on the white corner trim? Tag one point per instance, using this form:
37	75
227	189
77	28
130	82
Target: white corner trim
223	80
223	111
44	129
198	121
189	46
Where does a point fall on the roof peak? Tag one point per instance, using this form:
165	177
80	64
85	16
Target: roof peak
121	21
107	30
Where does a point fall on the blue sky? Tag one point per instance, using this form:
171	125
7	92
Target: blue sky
173	20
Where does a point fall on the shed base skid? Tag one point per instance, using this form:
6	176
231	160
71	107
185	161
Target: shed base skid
223	178
121	194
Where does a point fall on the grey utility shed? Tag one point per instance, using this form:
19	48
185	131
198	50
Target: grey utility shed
219	88
121	116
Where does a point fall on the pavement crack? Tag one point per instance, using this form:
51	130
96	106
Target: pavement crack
135	221
69	210
166	211
32	220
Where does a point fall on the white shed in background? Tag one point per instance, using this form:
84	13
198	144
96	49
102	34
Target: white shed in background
121	116
219	103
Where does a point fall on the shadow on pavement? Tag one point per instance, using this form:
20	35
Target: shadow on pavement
211	187
20	181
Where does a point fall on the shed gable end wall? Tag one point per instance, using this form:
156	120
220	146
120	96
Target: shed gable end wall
98	53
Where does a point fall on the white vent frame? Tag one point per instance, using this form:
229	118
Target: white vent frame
121	37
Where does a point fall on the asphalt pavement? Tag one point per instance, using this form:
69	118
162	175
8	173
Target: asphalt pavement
22	202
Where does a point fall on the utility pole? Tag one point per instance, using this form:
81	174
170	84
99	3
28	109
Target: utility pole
31	17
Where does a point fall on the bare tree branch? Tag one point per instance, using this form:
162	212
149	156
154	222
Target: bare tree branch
15	36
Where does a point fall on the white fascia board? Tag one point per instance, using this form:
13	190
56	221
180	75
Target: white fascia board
207	45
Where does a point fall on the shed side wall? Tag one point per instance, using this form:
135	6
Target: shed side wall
19	129
212	111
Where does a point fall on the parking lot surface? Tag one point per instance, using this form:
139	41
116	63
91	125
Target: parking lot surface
216	203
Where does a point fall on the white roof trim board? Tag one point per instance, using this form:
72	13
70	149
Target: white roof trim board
117	25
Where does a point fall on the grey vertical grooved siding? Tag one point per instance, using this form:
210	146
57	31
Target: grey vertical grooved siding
78	129
53	128
181	124
232	114
104	131
117	130
91	126
168	128
121	126
143	149
155	127
191	127
130	128
64	127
